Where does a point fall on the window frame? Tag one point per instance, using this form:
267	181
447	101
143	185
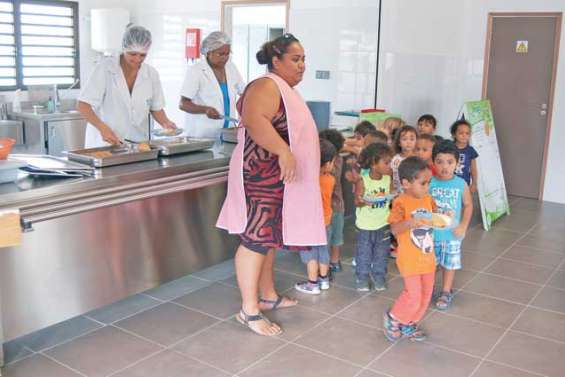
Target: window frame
73	5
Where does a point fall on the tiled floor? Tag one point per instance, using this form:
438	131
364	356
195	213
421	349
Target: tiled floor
508	319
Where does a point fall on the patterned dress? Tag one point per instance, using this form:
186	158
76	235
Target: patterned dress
263	191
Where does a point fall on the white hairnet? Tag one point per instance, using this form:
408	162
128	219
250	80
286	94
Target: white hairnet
136	39
214	41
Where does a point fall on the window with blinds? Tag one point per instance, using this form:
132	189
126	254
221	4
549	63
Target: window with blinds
38	43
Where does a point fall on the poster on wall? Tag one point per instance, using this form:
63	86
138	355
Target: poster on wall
491	188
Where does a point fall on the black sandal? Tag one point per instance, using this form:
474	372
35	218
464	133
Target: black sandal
245	319
276	303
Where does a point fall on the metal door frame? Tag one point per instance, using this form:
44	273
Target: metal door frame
559	20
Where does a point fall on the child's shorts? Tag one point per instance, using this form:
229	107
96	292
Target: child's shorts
335	232
448	254
317	253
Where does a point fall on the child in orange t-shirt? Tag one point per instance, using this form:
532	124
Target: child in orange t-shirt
410	221
317	259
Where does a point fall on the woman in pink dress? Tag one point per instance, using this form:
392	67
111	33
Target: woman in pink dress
273	198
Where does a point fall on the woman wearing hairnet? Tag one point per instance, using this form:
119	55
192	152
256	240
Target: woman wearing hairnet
120	94
210	87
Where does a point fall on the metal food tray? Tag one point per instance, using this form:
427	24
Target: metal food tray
229	135
178	145
46	162
121	154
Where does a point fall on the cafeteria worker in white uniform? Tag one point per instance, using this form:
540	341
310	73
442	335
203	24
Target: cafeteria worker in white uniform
210	88
120	94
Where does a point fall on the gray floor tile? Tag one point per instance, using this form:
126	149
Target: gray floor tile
558	280
218	300
529	353
103	351
369	310
217	272
519	221
521	271
177	288
14	350
551	299
346	340
330	301
543	242
293	360
283	281
35	366
490	369
485	309
58	333
369	373
534	256
461	334
491	243
123	308
475	261
542	323
504	288
409	359
170	364
295	321
462	277
166	324
228	346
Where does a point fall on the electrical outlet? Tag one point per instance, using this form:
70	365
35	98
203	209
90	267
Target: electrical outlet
323	75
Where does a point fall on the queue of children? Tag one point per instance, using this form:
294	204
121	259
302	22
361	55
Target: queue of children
412	189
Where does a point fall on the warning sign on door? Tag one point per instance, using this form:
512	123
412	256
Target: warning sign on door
522	47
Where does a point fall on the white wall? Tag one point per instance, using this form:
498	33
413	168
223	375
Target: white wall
338	35
432	56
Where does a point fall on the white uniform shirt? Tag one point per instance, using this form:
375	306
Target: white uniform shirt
126	114
201	86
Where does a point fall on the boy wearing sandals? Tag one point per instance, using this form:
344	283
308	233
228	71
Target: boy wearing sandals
410	222
453	198
317	259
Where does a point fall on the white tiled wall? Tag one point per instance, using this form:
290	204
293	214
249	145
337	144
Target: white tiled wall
432	57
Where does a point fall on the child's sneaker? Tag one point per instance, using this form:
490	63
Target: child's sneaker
412	332
308	288
335	267
324	283
444	300
379	285
362	286
391	328
353	263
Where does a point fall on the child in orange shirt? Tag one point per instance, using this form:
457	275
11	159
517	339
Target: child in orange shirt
317	259
410	221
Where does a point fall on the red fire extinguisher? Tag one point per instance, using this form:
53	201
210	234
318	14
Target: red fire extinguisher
192	43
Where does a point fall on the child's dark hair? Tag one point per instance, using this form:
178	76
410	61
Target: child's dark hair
363	127
372	154
333	136
275	48
455	126
428	118
379	135
431	138
445	147
398	135
327	152
410	167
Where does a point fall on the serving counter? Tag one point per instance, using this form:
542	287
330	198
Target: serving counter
91	241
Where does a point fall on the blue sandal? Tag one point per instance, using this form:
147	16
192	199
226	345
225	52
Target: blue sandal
444	300
276	303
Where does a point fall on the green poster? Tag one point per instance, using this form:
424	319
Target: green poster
491	188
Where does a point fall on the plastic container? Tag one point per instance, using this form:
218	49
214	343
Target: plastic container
6	145
9	170
17	104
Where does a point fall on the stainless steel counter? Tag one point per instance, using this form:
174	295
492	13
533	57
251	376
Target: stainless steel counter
93	241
